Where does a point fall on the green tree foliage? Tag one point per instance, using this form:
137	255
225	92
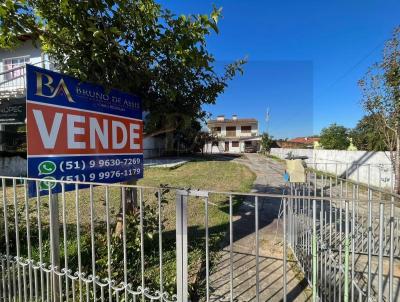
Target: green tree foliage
266	142
334	137
366	135
381	99
132	45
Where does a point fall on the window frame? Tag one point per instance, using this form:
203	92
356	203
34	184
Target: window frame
9	66
246	130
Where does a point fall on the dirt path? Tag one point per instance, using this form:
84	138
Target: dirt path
269	180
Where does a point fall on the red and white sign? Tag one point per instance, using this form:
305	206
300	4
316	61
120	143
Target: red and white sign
61	130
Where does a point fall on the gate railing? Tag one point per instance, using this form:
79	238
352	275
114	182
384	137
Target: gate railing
117	242
346	238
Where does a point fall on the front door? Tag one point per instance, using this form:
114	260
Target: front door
226	146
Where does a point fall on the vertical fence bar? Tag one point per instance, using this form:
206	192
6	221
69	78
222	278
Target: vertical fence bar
353	239
28	240
231	248
314	253
340	240
142	239
181	246
257	252
124	241
380	255
64	219
160	240
39	223
322	236
369	245
17	240
391	253
54	241
284	251
108	244
7	242
207	250
346	253
330	238
78	239
91	206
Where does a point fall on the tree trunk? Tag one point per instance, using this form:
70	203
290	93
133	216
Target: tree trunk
131	204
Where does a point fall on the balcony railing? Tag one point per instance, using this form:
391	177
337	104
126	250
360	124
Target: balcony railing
231	133
13	81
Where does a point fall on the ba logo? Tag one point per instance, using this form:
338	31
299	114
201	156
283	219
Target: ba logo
44	80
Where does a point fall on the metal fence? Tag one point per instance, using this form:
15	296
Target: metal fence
135	243
346	237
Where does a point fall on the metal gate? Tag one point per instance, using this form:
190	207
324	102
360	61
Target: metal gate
92	244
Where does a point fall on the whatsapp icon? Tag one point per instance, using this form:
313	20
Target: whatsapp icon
46	167
47	185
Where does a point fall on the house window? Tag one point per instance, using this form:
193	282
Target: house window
231	131
216	129
235	144
245	129
12	63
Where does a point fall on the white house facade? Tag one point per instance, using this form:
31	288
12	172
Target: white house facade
235	135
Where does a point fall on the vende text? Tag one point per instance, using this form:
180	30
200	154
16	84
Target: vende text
68	131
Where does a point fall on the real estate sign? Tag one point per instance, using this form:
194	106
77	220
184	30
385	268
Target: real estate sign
12	111
78	131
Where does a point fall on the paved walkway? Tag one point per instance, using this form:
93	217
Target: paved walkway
269	180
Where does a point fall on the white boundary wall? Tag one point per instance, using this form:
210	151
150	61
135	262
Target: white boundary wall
363	166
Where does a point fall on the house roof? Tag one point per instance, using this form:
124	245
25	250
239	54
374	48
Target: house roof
232	122
304	140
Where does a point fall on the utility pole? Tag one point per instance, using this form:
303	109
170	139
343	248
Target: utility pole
267	118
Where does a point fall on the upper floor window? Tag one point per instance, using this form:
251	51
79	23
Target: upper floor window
216	129
245	129
230	131
12	63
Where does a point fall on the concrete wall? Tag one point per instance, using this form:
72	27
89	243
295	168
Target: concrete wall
363	166
13	166
153	147
221	147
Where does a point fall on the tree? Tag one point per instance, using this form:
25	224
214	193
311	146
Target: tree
366	135
132	45
202	139
334	137
266	142
381	99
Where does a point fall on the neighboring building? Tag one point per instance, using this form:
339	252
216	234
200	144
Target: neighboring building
13	94
298	143
233	135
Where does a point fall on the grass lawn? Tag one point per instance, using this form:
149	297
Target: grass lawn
210	175
204	174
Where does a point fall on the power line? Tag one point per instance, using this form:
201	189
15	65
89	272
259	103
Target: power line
358	63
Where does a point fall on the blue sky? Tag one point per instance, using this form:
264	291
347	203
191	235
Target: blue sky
305	58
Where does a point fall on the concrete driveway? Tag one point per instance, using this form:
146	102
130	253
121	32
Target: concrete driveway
269	180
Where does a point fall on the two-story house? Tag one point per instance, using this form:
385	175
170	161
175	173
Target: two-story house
233	135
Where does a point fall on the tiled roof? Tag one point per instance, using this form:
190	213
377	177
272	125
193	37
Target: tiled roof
232	122
304	140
